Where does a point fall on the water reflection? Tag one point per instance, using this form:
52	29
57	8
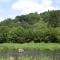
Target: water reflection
30	54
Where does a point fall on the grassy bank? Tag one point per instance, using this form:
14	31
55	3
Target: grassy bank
40	46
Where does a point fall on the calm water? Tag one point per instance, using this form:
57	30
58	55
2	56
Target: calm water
30	54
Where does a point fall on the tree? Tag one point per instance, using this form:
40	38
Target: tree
52	18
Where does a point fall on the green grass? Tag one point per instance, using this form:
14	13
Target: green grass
26	58
40	46
36	58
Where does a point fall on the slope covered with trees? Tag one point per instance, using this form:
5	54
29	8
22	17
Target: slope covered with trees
33	27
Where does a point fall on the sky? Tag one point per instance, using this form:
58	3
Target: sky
12	8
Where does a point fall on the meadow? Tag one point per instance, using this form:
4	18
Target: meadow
40	46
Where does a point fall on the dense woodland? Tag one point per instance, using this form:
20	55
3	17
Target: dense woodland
33	27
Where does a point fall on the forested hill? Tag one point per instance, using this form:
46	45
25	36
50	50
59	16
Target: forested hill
33	27
50	17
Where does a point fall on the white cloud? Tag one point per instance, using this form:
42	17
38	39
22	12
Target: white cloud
28	6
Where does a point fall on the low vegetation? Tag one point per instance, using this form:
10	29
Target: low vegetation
38	46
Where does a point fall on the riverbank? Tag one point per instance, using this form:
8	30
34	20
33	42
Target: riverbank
40	46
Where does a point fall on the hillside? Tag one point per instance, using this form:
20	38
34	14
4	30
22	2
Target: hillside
33	27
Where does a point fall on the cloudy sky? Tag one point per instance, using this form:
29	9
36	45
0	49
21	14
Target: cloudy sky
11	8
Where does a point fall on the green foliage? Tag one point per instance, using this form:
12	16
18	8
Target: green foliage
52	17
33	27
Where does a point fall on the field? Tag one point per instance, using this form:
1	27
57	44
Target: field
40	46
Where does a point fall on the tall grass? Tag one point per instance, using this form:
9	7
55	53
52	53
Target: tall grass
40	46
